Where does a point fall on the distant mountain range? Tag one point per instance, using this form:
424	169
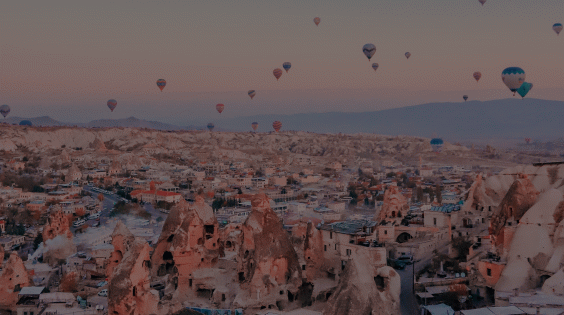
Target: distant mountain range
472	121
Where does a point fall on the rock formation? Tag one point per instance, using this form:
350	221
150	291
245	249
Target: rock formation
268	268
365	291
521	196
59	224
189	241
231	237
129	289
122	239
1	255
98	145
394	206
14	277
310	249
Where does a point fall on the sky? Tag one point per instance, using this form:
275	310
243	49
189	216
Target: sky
65	59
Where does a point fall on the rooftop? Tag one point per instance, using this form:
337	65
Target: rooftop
446	208
348	227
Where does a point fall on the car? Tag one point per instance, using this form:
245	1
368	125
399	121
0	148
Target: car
103	292
396	264
407	259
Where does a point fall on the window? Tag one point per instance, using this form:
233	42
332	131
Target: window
335	246
303	267
348	252
331	235
435	221
489	272
386	232
325	247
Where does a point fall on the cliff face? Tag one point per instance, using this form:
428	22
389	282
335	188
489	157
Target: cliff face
521	196
363	291
310	249
59	224
189	241
394	204
122	239
129	289
267	264
14	275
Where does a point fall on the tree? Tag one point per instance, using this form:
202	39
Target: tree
38	240
419	194
69	283
462	246
367	201
100	197
438	193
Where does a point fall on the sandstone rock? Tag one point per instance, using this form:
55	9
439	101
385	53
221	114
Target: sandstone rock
59	224
310	249
363	291
129	289
268	268
98	145
1	255
14	277
394	204
189	241
122	239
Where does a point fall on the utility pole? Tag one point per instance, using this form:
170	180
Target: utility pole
413	273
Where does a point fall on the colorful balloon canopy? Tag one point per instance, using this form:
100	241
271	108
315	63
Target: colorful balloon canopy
513	77
252	93
277	73
477	75
277	125
557	27
161	83
482	1
524	89
369	50
112	104
254	126
316	21
407	55
286	66
219	107
25	123
465	97
4	110
437	144
375	66
210	126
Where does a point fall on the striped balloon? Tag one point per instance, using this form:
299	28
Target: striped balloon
277	73
254	126
369	50
252	93
477	75
161	83
277	125
4	110
219	107
112	104
316	21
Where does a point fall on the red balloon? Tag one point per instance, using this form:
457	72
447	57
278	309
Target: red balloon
277	73
277	125
219	107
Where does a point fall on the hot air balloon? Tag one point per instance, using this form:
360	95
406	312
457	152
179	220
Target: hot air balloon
527	140
277	73
407	55
210	126
375	66
219	107
513	77
254	126
482	1
161	83
286	66
369	50
557	27
465	97
25	123
252	93
437	144
524	89
4	110
112	104
477	75
316	21
277	125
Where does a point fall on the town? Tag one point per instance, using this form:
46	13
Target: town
134	221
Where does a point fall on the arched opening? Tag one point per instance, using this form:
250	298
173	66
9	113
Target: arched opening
290	297
543	279
403	237
393	214
228	244
169	239
380	283
167	255
134	291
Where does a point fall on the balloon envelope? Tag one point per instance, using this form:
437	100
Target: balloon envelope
161	83
477	75
524	89
210	126
316	21
513	77
254	125
465	97
437	144
557	27
407	55
252	93
4	110
369	50
375	66
25	123
482	1
219	107
286	66
277	125
112	104
277	73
